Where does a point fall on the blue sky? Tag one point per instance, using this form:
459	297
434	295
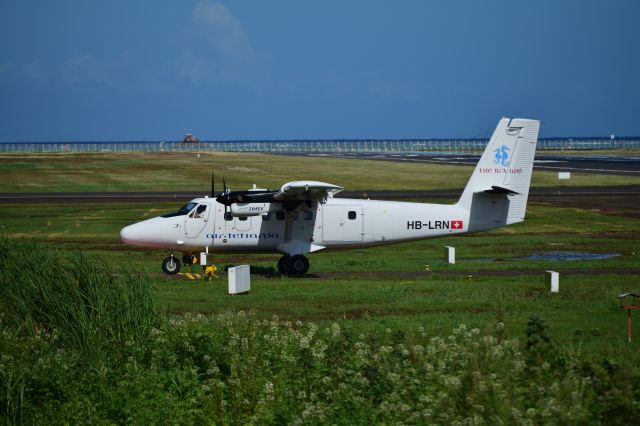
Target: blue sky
155	70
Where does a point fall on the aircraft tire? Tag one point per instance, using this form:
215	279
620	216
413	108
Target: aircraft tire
171	265
283	265
298	265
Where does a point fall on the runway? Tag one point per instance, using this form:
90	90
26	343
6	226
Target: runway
611	197
604	164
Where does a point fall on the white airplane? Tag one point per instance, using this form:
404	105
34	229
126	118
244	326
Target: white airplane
304	216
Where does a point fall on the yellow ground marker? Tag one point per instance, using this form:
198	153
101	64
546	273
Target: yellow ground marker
190	275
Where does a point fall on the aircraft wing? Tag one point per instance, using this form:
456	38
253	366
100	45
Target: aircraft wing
304	190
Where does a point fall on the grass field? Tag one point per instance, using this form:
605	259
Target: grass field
369	294
343	287
185	171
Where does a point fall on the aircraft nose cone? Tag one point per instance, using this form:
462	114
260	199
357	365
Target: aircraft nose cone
148	233
129	234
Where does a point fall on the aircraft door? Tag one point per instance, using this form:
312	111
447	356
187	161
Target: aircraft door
382	226
196	221
342	223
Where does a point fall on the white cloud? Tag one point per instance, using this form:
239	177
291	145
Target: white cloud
218	50
221	29
194	68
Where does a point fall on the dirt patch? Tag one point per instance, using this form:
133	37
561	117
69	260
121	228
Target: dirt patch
617	204
436	274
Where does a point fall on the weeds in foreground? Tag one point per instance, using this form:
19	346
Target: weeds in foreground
81	344
80	301
234	368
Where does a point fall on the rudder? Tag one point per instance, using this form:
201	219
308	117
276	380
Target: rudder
497	192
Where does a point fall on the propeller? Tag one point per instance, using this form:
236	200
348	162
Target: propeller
213	192
225	197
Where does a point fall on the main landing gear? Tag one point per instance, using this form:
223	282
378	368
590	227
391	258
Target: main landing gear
293	265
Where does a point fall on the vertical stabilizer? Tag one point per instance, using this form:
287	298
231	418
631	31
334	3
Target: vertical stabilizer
497	192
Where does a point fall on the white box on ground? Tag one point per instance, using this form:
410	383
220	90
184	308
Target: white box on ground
553	279
239	279
564	175
450	254
203	258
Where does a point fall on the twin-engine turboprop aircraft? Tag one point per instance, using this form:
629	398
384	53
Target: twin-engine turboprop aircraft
304	216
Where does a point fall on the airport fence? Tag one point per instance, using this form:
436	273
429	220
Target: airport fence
304	146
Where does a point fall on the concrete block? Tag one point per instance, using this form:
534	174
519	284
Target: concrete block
564	175
450	254
553	279
240	279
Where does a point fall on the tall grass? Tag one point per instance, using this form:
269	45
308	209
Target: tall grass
233	368
82	302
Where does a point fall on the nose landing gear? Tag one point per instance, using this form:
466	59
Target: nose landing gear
295	266
171	265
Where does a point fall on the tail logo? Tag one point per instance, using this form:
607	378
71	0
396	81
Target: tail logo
502	156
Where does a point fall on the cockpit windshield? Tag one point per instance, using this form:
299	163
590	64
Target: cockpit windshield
183	210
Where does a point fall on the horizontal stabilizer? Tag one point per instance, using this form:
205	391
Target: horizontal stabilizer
500	190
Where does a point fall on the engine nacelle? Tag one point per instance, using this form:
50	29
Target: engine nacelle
253	209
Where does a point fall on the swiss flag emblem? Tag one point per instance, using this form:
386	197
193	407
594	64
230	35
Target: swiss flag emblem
456	224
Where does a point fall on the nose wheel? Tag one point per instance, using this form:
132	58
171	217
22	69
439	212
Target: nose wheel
296	266
171	265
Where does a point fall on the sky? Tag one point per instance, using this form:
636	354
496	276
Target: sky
96	70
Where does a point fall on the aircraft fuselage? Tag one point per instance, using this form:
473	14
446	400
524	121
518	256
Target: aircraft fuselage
339	223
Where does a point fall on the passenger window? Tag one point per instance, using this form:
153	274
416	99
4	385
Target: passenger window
280	215
243	218
307	215
266	216
352	215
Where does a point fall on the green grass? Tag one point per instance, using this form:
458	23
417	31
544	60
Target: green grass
44	292
94	228
468	352
584	315
185	171
206	359
350	293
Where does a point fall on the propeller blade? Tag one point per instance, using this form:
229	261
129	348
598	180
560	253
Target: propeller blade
213	193
224	185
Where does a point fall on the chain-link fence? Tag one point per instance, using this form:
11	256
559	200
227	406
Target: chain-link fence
451	145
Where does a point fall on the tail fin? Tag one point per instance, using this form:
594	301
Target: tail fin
496	195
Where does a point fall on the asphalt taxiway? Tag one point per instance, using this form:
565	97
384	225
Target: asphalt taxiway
625	198
603	164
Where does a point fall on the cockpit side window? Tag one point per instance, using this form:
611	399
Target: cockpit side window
199	212
183	210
